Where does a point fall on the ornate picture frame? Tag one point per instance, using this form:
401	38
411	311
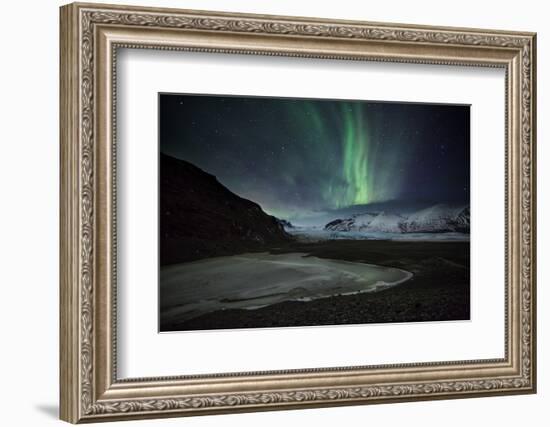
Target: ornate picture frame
90	37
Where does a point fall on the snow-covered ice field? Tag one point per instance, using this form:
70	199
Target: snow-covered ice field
317	234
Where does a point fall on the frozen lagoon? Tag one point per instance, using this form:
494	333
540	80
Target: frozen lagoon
255	280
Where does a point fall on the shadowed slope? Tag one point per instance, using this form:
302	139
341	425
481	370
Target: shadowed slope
201	218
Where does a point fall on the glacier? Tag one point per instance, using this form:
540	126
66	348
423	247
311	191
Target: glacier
437	222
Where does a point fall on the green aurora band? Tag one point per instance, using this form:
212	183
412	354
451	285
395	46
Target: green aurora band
299	158
303	159
347	148
354	167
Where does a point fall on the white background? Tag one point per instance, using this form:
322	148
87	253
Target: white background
145	353
29	171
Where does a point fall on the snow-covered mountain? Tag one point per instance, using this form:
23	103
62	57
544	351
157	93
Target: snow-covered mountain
357	222
435	219
463	220
387	223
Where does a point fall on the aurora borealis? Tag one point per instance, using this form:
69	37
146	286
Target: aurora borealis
300	158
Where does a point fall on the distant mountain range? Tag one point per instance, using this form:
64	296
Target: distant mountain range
440	218
201	218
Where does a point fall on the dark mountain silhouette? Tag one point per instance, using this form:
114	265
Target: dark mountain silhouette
200	218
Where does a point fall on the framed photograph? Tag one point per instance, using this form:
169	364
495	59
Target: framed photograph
334	204
266	212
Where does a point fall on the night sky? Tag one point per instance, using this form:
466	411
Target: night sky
299	158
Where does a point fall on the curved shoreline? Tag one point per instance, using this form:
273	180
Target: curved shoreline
257	280
436	287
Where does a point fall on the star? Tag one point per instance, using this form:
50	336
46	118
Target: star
339	153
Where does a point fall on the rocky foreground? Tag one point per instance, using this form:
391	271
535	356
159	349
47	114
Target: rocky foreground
438	291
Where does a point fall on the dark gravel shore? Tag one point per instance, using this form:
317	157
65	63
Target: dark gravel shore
439	289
